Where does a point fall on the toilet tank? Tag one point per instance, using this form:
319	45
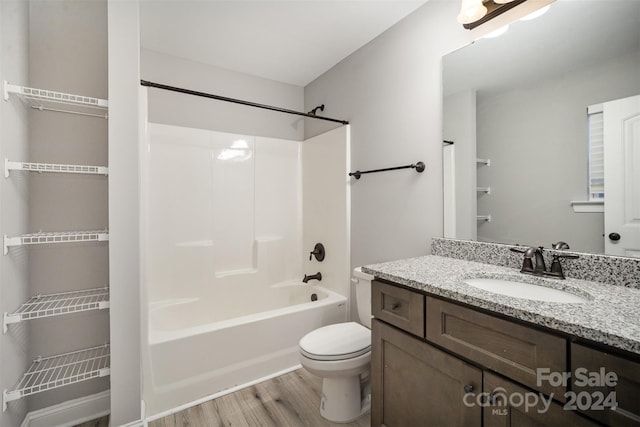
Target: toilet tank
362	282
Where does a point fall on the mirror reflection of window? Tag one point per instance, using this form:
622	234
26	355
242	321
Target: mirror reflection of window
595	120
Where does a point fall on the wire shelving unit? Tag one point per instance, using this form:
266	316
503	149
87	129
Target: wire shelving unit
53	168
42	238
49	100
51	372
40	306
48	373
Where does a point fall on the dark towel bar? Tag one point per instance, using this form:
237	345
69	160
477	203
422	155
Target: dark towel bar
419	167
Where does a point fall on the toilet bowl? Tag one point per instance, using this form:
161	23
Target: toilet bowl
341	354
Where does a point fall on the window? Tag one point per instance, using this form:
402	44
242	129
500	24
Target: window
595	120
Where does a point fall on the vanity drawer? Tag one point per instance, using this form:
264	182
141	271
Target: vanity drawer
398	306
591	362
511	349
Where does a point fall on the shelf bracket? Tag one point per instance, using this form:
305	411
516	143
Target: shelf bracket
9	89
9	396
10	241
8	319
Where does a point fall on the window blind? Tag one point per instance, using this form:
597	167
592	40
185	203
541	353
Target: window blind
596	153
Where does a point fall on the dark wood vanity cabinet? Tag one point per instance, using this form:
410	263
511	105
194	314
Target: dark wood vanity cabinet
438	363
502	412
607	376
415	384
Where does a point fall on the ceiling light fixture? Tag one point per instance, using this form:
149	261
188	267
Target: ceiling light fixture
471	11
477	12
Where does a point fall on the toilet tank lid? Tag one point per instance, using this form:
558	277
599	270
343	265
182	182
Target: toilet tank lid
357	272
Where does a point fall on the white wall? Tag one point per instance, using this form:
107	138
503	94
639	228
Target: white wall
14	209
190	111
124	210
390	91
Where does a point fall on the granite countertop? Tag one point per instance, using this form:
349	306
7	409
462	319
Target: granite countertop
610	316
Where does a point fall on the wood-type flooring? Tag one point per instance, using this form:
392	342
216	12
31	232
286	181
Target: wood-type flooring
291	400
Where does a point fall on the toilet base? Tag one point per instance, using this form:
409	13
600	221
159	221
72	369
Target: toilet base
345	399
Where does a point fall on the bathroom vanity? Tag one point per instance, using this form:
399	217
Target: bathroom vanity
448	353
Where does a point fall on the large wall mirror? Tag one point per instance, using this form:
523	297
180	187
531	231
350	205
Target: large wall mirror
516	109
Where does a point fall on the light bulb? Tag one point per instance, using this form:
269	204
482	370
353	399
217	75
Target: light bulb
536	14
471	11
495	33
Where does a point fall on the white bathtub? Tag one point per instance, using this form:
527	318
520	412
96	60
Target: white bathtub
199	347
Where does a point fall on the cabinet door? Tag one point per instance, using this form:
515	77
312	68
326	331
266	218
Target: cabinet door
415	384
511	405
590	368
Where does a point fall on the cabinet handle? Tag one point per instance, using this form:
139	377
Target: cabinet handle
395	306
468	388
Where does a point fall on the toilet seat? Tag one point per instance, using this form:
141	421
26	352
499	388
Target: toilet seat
341	341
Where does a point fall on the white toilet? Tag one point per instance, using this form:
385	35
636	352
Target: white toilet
341	355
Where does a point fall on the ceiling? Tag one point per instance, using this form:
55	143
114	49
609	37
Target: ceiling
291	41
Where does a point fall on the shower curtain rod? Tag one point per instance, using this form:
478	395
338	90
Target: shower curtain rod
238	101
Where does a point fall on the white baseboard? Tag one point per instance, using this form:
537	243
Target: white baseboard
71	412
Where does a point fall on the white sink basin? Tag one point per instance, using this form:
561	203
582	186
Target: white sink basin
516	289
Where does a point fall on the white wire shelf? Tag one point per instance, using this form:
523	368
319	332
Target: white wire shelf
56	237
52	167
48	373
43	100
41	306
486	190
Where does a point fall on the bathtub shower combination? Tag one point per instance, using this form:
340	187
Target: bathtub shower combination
223	257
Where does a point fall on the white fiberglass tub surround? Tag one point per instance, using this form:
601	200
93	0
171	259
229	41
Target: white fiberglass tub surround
225	247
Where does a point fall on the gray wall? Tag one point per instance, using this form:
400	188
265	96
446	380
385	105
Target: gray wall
68	53
14	207
536	137
185	110
391	92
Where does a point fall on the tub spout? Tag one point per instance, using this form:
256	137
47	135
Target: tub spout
317	276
